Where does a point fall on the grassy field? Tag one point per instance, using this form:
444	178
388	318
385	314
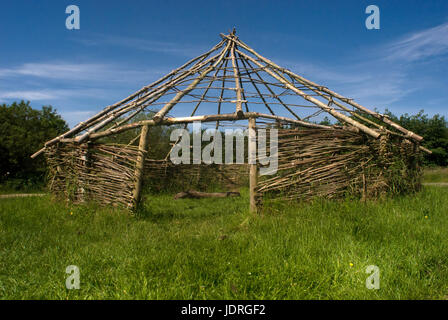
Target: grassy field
214	249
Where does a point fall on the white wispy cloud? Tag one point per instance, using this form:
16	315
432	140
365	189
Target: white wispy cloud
78	72
54	70
381	79
168	47
420	45
74	117
48	94
72	86
382	90
319	73
369	81
27	95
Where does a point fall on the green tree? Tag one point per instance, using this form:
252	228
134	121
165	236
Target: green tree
23	131
434	131
326	121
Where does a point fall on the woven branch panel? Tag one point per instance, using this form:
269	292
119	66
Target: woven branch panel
312	163
105	174
163	175
92	172
337	163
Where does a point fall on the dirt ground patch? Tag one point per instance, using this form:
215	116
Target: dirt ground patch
21	195
436	184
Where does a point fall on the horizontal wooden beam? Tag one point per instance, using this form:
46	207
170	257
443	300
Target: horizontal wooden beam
205	118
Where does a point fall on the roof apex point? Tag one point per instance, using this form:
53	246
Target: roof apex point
230	35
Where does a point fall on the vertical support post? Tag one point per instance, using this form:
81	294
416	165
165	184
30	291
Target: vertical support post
139	167
252	160
364	187
83	180
239	110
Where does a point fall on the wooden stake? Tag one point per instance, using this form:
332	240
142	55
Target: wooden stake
85	157
364	188
139	167
239	110
252	155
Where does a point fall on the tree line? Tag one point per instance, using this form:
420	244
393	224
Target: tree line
434	131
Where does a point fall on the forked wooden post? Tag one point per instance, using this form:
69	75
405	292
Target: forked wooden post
139	166
252	159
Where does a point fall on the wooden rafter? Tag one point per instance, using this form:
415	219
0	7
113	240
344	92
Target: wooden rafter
239	109
159	115
383	118
326	108
84	124
272	92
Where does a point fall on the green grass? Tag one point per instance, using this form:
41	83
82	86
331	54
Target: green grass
214	249
434	175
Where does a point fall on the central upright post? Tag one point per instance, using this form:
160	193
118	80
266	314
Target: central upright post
236	76
139	167
252	160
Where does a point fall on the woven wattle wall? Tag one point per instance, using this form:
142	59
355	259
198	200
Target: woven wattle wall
329	163
336	163
99	173
163	175
104	174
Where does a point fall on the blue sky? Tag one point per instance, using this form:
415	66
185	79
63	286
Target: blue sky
124	45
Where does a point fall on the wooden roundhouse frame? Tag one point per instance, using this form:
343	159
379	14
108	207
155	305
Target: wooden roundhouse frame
231	66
